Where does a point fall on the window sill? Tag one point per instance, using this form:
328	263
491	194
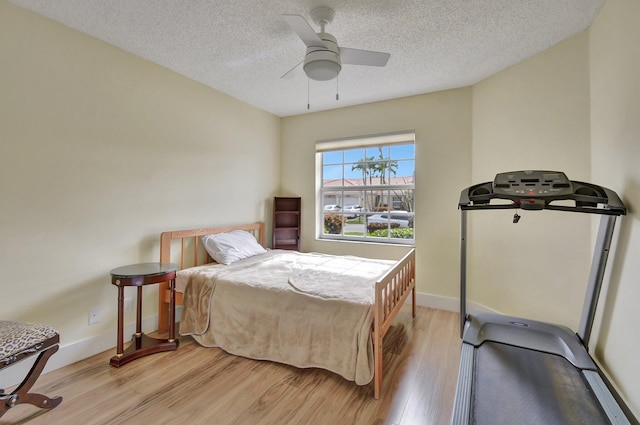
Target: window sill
399	242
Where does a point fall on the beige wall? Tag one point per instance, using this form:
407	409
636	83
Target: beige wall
101	152
534	115
443	141
615	133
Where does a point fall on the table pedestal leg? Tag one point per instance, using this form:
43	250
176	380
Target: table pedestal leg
120	343
139	313
172	310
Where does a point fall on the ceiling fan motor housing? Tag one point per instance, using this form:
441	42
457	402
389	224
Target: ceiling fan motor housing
323	63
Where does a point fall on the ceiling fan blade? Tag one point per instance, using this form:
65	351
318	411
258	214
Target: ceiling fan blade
363	57
304	31
289	72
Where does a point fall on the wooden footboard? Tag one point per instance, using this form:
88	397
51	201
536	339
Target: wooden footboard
185	248
392	291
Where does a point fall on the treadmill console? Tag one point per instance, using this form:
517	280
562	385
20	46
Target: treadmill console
537	190
533	184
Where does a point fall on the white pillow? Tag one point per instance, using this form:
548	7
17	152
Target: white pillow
226	248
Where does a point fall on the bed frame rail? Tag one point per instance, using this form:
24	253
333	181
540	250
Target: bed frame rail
392	291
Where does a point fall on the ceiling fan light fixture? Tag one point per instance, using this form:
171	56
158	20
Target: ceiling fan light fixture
322	70
322	64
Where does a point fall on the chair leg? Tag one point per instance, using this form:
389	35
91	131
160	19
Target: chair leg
22	395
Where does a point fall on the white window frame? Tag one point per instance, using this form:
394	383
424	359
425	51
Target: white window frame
370	141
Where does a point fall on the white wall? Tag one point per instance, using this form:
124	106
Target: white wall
534	115
615	133
443	146
101	152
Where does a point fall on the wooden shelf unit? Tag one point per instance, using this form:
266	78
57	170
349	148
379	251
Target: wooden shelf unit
286	223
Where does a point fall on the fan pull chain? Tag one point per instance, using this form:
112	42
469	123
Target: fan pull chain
308	102
337	95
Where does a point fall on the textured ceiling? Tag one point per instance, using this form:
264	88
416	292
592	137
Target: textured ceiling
243	47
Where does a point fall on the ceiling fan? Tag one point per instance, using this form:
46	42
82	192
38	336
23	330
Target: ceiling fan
324	58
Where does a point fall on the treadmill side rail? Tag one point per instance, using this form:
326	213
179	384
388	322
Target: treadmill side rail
462	402
607	401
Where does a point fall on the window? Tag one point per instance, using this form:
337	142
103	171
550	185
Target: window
367	188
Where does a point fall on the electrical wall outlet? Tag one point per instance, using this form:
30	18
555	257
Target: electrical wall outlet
94	316
128	305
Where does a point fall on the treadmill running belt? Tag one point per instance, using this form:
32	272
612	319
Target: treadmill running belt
516	386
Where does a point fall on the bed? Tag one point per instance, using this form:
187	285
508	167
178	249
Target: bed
224	304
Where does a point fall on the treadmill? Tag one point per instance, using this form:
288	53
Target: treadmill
515	371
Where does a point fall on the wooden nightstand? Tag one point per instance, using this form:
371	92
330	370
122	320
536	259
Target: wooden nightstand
140	275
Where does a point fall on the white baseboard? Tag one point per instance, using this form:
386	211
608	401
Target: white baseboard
76	351
448	303
80	350
437	302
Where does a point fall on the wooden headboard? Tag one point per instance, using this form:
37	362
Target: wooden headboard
184	248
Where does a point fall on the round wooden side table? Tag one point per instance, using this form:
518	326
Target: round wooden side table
141	344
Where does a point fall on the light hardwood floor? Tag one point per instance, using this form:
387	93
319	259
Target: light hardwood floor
196	385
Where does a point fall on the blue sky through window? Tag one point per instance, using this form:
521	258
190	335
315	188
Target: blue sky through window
335	161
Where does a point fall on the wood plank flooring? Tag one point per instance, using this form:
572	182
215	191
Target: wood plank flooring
196	385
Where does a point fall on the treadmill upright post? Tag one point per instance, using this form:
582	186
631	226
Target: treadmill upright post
463	270
596	275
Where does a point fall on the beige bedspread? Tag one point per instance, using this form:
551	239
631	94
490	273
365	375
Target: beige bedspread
306	310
